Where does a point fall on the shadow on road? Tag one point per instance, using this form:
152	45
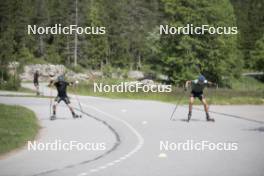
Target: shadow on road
259	129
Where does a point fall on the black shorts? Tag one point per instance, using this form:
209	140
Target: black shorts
65	99
197	95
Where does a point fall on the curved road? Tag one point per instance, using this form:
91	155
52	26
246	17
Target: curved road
132	132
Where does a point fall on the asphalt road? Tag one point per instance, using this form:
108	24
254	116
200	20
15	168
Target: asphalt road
133	131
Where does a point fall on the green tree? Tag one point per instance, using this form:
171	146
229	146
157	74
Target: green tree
95	49
257	55
215	56
249	15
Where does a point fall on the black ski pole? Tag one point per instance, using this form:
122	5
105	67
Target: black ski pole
177	105
77	98
50	101
213	93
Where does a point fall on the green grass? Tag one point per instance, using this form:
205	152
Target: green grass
17	126
26	90
21	90
37	61
247	84
214	96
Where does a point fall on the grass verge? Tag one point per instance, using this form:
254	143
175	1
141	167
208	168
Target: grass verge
17	126
20	89
25	90
214	96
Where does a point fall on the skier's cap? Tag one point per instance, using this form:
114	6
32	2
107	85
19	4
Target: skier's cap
201	78
61	78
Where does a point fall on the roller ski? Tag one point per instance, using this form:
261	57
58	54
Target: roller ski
75	116
189	117
53	117
209	119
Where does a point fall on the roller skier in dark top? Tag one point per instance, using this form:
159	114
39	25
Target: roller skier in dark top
61	86
197	87
36	81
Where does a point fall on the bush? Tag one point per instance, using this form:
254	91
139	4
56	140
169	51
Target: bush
10	81
13	83
257	55
77	69
107	71
25	56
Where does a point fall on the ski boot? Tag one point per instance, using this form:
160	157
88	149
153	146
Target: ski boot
189	116
208	118
53	117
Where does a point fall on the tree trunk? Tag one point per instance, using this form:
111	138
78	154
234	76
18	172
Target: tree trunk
139	62
68	51
41	46
75	36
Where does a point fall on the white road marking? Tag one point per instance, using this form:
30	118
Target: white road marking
162	155
117	161
94	170
124	110
123	158
82	174
137	134
111	164
103	167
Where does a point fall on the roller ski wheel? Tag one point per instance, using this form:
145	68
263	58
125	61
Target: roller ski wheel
76	116
210	120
